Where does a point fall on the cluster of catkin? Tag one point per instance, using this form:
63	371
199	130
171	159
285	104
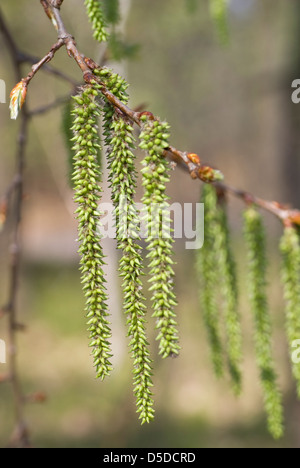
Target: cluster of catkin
120	147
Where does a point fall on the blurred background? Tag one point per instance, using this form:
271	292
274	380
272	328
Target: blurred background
232	106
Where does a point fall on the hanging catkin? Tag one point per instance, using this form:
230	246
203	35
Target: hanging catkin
154	140
120	145
87	195
256	245
290	250
96	16
208	274
229	291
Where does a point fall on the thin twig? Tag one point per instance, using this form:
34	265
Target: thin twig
56	3
11	45
283	212
27	58
48	57
190	160
44	109
4	201
20	436
197	170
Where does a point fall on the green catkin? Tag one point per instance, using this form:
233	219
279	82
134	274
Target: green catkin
154	140
114	82
122	175
290	250
219	13
229	290
256	245
86	179
67	120
111	10
206	266
215	260
192	5
97	19
120	49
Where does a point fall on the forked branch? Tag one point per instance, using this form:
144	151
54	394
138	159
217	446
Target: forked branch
190	161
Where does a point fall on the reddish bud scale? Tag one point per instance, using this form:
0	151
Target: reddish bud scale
194	158
146	115
90	63
89	77
295	217
206	174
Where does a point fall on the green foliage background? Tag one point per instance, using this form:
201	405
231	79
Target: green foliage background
232	106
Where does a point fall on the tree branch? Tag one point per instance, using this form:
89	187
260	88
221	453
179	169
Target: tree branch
56	3
48	107
20	435
11	45
191	161
287	215
4	201
37	66
27	58
197	170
